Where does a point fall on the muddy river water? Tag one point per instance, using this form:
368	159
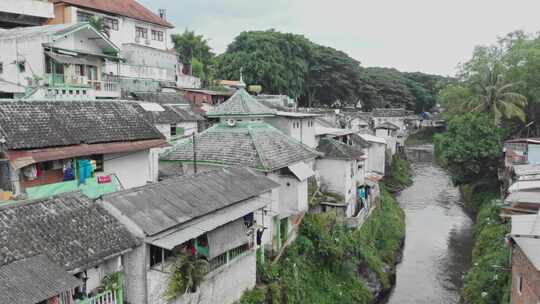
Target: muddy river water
438	241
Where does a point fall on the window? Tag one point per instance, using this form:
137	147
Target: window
157	35
520	283
352	170
84	16
79	70
1	67
173	130
158	254
141	32
111	23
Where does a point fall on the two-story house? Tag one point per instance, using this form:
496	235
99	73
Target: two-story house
212	221
58	62
50	147
142	35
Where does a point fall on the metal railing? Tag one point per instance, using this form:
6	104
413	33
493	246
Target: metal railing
108	297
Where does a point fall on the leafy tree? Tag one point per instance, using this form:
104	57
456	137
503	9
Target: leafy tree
453	99
332	75
494	96
277	61
471	148
197	68
99	24
190	45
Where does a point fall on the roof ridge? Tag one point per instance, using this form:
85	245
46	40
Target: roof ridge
260	153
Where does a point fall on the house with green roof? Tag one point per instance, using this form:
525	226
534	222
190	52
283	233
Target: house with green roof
260	146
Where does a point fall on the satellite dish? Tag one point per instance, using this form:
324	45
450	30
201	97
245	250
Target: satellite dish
231	122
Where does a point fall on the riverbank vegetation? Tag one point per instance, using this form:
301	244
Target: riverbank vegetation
399	176
420	137
488	280
331	263
495	98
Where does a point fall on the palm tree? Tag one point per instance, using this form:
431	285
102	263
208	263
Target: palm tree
99	24
497	98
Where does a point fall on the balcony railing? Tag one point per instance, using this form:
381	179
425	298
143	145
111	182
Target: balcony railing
108	297
81	81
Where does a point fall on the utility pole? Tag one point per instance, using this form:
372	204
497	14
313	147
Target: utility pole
194	155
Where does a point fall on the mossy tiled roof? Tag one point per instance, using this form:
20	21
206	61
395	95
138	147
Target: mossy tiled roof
241	104
253	144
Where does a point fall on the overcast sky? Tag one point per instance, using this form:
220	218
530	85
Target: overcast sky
431	36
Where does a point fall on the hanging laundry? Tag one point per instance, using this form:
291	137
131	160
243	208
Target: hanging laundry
105	179
85	170
68	171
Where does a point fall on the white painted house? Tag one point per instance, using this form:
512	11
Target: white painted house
298	125
143	37
376	154
390	133
87	146
58	61
183	216
341	170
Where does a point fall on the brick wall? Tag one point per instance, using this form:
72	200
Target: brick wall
531	279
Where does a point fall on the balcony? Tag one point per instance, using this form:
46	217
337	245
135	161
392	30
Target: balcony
103	89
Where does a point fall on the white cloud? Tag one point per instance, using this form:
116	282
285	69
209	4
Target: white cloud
412	35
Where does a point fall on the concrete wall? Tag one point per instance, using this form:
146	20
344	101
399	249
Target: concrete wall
301	129
29	50
224	285
133	169
390	137
521	266
376	158
33	8
96	274
336	175
135	276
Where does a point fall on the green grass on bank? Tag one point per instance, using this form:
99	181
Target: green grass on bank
321	266
488	280
400	175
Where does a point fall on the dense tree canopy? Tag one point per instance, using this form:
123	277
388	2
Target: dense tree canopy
471	148
319	75
195	53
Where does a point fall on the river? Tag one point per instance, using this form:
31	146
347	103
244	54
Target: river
438	241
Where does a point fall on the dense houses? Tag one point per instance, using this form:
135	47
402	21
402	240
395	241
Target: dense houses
520	179
118	172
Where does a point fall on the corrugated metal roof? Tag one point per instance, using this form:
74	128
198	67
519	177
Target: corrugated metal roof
319	131
301	171
167	204
525	225
528	169
206	223
33	280
524	185
531	248
531	197
387	125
